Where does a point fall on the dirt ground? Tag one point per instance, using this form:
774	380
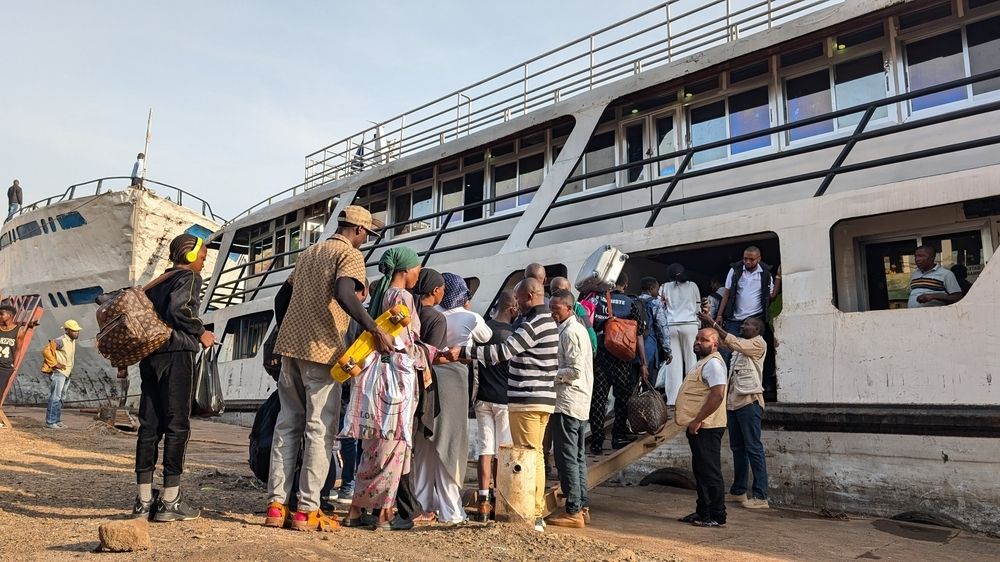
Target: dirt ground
56	487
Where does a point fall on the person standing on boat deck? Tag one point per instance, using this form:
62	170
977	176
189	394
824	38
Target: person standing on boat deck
701	407
931	284
745	409
11	339
683	302
610	372
15	198
750	287
166	376
139	169
442	457
574	384
492	417
533	355
658	331
322	298
57	362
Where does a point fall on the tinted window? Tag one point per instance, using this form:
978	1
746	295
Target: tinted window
70	220
933	61
85	295
809	96
28	230
984	52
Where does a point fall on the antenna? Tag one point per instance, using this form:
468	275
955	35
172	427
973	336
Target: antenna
145	148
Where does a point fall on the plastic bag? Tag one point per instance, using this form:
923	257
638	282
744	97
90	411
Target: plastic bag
207	385
382	400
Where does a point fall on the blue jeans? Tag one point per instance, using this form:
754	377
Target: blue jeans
56	394
748	451
571	460
11	209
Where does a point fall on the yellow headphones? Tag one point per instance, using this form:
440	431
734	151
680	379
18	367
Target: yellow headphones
192	256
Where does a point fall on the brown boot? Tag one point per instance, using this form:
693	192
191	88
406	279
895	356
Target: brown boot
574	521
586	515
484	509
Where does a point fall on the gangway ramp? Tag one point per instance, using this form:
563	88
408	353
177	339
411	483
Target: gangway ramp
601	468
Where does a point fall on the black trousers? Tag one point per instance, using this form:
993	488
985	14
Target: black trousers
706	461
407	504
164	413
610	373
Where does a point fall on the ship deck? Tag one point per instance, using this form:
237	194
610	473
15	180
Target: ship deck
62	485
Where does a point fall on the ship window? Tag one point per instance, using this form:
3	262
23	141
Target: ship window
294	243
52	225
748	72
71	219
45	226
449	166
861	36
599	155
859	81
808	96
417	203
451	197
802	55
932	61
422	175
62	299
52	300
199	231
504	183
984	52
926	15
248	333
702	87
260	249
373	190
87	295
463	190
5	240
973	4
474	158
562	130
747	112
502	150
399	182
28	230
533	139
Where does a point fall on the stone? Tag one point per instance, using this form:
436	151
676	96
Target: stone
124	536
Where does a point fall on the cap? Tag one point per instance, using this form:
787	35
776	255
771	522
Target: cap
72	325
359	216
8	306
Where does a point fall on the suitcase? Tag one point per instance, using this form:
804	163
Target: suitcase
601	270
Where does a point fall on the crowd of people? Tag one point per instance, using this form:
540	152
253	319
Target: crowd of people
537	375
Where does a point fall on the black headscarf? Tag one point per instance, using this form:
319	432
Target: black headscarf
429	280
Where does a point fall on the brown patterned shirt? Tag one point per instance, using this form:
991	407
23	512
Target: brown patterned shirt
315	325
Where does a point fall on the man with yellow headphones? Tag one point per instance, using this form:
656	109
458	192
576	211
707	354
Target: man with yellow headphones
167	375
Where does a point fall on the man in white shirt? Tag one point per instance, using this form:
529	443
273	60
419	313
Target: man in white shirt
750	287
574	384
139	169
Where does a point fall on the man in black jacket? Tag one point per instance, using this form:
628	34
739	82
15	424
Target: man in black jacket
167	375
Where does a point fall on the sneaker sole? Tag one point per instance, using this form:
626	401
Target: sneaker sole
277	522
173	517
764	506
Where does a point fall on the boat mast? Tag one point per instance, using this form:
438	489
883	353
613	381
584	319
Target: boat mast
145	148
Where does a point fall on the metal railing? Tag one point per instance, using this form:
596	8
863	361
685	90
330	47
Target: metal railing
651	38
826	174
97	187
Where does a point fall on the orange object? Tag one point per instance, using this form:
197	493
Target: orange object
353	361
29	313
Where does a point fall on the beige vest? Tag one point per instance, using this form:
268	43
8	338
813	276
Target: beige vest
67	354
692	396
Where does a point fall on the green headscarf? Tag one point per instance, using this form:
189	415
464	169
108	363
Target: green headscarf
399	258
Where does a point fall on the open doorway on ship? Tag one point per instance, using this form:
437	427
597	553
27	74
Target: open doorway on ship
707	263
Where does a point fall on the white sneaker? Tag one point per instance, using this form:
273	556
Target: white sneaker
53	426
756	503
61	425
736	498
539	524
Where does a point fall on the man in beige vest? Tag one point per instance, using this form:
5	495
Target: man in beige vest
701	407
58	357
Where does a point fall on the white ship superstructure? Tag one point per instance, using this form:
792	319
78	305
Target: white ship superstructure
834	136
96	237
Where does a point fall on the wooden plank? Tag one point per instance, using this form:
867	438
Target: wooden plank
29	313
606	467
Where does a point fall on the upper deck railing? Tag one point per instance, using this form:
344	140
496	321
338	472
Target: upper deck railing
101	185
651	38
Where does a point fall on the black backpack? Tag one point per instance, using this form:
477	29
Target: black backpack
261	436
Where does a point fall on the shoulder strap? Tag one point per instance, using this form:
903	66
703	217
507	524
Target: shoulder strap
611	309
163	277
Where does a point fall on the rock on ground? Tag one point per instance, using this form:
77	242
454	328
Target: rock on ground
124	536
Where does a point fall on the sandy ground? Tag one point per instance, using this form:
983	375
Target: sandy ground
56	487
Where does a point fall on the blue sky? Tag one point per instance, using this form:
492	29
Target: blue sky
242	91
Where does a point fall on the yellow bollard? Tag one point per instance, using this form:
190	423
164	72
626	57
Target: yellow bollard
515	480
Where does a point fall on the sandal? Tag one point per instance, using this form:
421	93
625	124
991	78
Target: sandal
314	521
361	521
426	519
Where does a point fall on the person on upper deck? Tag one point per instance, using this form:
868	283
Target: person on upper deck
931	284
15	198
138	169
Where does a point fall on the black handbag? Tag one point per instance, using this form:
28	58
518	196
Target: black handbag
647	410
207	401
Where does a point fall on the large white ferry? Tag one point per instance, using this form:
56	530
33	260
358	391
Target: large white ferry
94	237
837	137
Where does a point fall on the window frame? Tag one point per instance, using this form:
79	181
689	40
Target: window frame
723	94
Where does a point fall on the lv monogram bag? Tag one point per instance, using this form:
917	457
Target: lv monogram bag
129	328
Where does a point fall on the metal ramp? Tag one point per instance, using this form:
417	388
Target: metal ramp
600	469
29	313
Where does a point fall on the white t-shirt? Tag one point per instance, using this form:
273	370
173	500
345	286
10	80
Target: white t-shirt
138	167
465	327
748	293
714	372
683	301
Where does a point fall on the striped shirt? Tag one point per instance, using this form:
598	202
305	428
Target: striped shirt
532	353
937	280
